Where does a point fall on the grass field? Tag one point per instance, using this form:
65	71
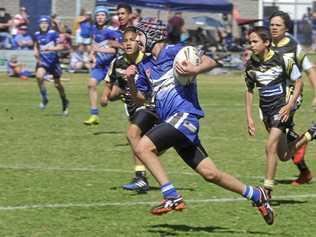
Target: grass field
60	178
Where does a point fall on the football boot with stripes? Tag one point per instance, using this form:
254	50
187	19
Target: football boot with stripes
140	185
168	205
264	206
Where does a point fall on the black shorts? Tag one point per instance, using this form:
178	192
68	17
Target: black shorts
165	136
290	121
271	118
274	121
145	119
54	69
131	110
299	101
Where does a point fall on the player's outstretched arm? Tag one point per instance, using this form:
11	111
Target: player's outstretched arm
115	44
98	49
58	47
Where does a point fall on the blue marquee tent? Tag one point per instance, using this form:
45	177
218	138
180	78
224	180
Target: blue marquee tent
212	6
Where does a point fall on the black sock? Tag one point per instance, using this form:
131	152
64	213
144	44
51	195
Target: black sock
291	136
302	166
140	174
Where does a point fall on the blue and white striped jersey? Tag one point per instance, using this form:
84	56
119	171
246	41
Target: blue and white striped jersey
100	37
156	80
47	40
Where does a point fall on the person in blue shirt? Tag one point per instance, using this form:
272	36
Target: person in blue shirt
102	55
85	30
46	48
179	110
22	40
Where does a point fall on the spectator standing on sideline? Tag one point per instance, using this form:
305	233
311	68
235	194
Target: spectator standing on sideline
175	25
18	20
137	16
84	31
57	25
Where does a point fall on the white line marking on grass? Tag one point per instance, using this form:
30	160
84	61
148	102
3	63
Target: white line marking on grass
115	171
122	204
63	169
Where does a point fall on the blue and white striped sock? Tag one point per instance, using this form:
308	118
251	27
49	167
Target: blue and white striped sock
168	190
252	194
94	111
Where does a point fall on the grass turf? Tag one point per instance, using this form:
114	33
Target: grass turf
61	178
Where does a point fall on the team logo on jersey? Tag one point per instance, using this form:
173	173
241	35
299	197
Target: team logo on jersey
270	74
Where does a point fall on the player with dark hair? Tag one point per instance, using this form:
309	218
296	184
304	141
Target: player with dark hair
179	110
141	117
124	15
270	72
285	44
124	12
46	46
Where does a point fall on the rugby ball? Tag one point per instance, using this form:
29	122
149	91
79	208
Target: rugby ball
190	54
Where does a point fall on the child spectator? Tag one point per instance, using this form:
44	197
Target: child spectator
79	59
17	69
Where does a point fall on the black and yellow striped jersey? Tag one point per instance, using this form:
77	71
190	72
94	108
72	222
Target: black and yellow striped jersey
289	46
115	76
270	76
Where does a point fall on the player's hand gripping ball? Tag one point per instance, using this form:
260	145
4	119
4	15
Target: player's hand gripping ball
190	54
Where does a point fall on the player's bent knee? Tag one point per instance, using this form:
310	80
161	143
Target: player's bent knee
208	171
92	84
133	133
58	85
144	146
270	149
211	175
92	87
141	148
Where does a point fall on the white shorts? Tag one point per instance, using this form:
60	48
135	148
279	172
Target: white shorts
81	40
